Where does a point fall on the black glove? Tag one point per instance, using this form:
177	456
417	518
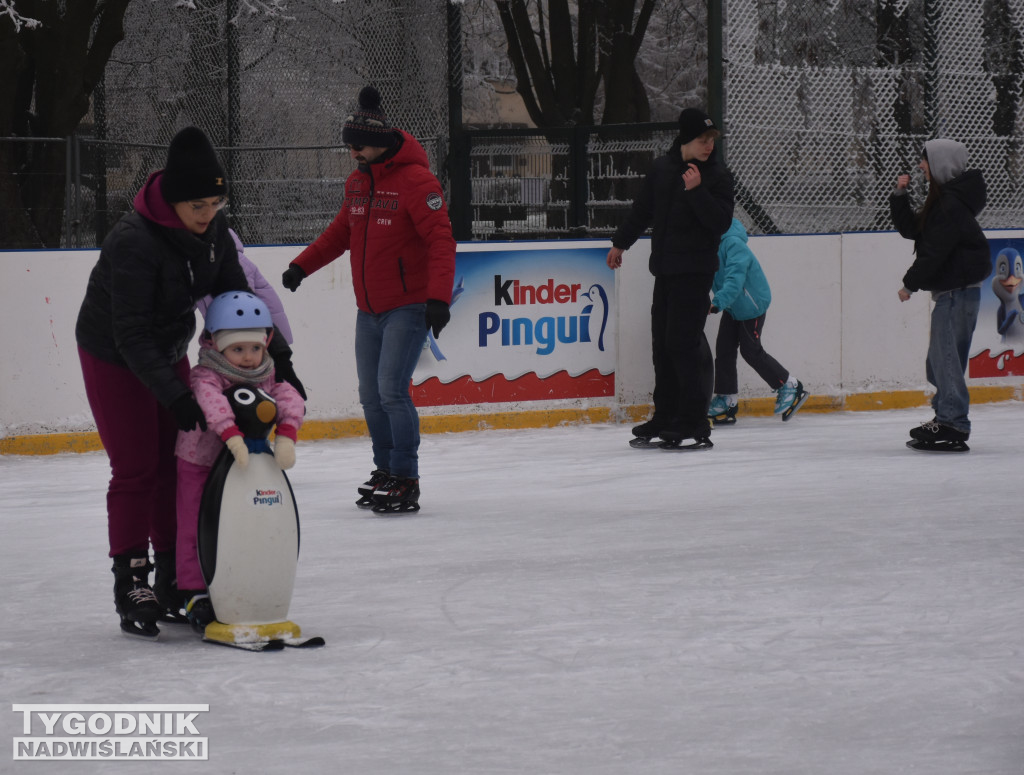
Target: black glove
714	310
187	413
437	316
285	372
292	278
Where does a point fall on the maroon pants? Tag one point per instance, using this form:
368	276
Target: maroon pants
138	435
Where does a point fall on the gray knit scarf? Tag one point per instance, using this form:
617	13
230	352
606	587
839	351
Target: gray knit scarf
216	361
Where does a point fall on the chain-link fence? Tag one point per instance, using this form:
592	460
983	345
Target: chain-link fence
826	102
272	94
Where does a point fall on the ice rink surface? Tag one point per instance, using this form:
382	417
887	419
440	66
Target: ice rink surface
808	597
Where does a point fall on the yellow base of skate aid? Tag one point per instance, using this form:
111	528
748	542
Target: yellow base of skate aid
251	633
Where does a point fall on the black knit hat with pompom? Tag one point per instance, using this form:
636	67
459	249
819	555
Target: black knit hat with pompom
368	125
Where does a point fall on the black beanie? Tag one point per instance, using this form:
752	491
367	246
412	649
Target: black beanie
192	170
693	123
368	125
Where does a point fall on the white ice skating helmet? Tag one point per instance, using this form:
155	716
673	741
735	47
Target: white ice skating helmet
237	309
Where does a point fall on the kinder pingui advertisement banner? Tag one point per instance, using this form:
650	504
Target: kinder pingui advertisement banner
528	324
997	349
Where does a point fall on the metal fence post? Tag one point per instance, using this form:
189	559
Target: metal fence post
72	191
457	166
460	200
716	83
578	177
233	101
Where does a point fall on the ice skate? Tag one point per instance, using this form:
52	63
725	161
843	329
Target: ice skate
165	587
133	597
789	399
397	495
933	436
199	611
721	412
645	433
674	438
377	478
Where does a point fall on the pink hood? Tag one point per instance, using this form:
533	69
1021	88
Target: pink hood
150	204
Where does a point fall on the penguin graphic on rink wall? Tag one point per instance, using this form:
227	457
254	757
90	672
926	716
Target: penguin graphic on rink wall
248	536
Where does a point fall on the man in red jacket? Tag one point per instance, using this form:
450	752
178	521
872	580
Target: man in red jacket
394	223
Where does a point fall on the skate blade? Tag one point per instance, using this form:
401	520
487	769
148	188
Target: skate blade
644	442
678	446
140	630
938	446
723	419
267	645
403	508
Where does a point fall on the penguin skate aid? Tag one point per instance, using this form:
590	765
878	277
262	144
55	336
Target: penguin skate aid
238	524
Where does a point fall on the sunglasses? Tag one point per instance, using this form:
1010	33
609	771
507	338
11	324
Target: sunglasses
356	147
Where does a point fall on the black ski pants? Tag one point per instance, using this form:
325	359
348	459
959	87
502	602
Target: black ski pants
746	336
683	366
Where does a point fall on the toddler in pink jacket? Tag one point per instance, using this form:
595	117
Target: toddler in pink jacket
233	350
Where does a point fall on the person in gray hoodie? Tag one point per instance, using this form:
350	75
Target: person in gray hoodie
951	259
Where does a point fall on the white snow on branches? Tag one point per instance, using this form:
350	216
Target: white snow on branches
7	9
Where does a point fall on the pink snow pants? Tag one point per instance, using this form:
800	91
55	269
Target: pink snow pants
191	481
138	435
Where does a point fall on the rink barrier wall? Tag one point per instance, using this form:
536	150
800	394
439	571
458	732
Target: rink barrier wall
835	322
318	430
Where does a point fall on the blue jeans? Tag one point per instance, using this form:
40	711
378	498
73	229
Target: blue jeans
953	319
387	349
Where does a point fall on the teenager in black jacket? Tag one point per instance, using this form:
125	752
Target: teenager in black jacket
133	332
951	260
687	200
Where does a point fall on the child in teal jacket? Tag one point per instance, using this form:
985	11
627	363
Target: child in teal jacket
740	292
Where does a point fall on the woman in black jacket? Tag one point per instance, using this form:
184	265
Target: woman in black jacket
133	332
951	260
687	200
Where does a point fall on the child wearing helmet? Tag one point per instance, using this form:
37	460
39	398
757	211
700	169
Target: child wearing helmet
232	350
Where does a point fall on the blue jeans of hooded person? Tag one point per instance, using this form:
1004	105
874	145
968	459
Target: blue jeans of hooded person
953	319
388	346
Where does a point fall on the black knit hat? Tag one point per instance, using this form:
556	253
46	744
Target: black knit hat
368	125
192	170
693	123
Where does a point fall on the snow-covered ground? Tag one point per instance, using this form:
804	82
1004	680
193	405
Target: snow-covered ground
808	597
